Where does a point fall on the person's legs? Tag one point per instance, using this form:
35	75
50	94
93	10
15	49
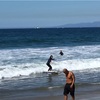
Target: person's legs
50	67
66	91
65	97
73	98
72	92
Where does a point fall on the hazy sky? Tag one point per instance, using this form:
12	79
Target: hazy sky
39	13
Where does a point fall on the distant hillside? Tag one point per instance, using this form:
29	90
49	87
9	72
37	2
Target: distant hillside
93	24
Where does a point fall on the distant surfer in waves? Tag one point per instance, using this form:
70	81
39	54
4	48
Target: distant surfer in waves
48	63
61	53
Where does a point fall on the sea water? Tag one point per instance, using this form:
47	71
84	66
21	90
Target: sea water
24	53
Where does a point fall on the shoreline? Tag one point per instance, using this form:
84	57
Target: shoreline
85	96
91	95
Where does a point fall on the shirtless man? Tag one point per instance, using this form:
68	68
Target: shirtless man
69	86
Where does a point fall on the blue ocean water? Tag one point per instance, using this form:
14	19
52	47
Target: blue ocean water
55	37
24	53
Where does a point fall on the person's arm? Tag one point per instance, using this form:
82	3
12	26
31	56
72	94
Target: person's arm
73	79
53	59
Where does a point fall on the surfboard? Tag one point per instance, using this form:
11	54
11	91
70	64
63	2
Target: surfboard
51	72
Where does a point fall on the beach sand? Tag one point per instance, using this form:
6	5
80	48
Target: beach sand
85	96
94	95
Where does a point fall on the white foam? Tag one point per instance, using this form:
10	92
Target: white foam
78	64
16	62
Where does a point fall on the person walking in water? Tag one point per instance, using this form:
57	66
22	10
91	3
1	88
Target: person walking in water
48	63
70	84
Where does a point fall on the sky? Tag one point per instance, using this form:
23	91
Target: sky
48	13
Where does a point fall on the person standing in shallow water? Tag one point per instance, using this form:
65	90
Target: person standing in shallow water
48	63
70	84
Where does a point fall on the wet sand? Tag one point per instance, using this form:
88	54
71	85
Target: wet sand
94	95
85	96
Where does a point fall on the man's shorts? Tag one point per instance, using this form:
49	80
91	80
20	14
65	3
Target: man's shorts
68	90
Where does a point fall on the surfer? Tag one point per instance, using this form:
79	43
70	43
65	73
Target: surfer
48	63
61	53
69	86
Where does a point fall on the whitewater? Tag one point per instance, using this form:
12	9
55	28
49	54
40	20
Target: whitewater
27	61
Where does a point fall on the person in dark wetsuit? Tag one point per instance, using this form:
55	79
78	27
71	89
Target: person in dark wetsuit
48	63
61	53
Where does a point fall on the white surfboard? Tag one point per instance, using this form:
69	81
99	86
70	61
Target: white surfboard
51	72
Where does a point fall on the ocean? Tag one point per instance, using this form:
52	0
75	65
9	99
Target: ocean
24	53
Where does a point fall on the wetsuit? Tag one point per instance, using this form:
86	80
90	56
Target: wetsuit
61	53
48	63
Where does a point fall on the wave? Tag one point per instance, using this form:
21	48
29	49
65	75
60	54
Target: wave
24	70
27	61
